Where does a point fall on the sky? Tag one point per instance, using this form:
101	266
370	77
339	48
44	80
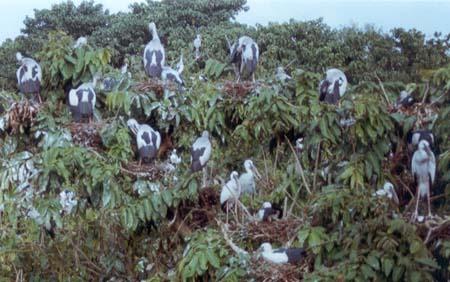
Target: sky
426	15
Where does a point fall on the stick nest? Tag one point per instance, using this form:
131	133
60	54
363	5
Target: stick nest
154	85
86	134
149	171
21	116
238	90
262	270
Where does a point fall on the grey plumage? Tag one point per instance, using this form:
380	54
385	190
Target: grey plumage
200	152
29	75
154	54
82	100
244	55
333	87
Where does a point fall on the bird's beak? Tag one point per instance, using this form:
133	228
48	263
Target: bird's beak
257	174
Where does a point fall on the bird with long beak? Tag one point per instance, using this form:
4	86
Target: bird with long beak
247	179
230	193
423	168
388	191
148	140
282	255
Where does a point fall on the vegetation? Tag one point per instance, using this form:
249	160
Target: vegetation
158	225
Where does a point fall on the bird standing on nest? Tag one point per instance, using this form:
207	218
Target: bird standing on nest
173	75
200	154
333	87
230	193
267	212
154	54
82	100
148	140
282	255
247	179
424	170
29	76
244	55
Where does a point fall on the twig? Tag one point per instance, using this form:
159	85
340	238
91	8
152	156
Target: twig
439	98
299	166
233	246
425	94
316	166
382	89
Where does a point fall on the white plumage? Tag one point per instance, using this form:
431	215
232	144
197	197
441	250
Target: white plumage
174	75
388	191
244	55
82	41
231	190
174	158
67	201
282	255
200	152
82	99
423	167
154	54
148	140
247	179
29	75
197	46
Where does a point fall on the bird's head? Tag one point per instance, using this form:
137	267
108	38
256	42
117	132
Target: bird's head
249	166
388	187
234	176
267	205
299	143
19	56
133	125
265	247
424	145
205	134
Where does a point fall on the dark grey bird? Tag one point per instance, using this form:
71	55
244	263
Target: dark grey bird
154	54
333	87
29	76
282	255
423	168
82	100
414	137
173	75
244	55
267	212
148	140
404	100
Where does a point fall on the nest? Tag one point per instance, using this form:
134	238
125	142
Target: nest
262	270
425	113
154	85
434	228
144	170
86	134
21	116
238	90
258	232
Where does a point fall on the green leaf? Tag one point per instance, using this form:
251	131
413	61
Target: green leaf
373	262
388	264
428	262
212	258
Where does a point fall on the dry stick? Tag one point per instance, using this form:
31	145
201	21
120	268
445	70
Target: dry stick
316	166
294	200
382	89
233	246
299	166
425	94
439	98
405	186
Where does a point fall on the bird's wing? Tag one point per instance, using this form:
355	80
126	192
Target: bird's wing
323	89
432	167
414	168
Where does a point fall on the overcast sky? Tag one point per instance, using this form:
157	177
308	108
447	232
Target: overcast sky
427	16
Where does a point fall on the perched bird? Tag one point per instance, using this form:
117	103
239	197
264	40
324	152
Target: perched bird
82	100
247	179
67	201
282	255
388	191
114	81
170	74
414	137
244	55
333	87
299	145
197	46
404	100
29	76
154	54
423	168
148	140
230	193
281	75
266	212
174	158
81	41
200	154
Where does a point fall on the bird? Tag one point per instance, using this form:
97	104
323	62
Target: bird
281	75
388	191
230	193
247	179
154	54
148	140
81	41
282	255
114	81
67	201
404	100
200	154
244	55
29	76
82	100
414	137
423	167
174	158
197	46
299	145
333	87
173	75
267	211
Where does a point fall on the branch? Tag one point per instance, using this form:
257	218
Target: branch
299	166
382	89
230	243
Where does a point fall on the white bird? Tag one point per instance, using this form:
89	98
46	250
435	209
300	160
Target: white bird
414	137
247	179
333	87
154	54
281	75
174	158
197	46
200	154
81	41
67	201
82	100
148	140
388	191
424	170
266	212
299	145
244	55
173	75
29	76
231	189
282	255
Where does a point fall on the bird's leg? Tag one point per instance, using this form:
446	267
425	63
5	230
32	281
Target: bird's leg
140	161
228	209
205	176
416	211
429	201
39	97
